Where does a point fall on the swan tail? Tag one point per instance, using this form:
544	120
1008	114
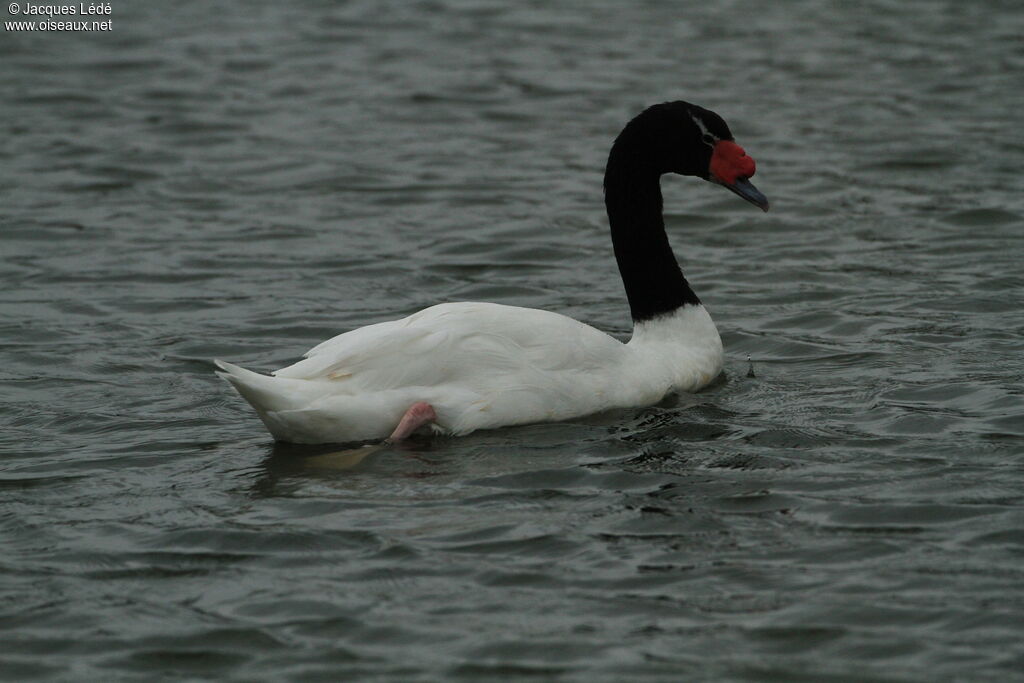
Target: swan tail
313	411
265	393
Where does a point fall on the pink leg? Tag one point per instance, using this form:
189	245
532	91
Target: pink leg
418	415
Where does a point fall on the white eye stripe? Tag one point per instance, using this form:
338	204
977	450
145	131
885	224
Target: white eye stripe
707	137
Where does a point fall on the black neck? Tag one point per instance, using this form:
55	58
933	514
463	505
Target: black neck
654	283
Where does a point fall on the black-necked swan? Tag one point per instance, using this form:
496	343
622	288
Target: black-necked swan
459	367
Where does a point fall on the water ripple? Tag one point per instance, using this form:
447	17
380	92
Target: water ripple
199	182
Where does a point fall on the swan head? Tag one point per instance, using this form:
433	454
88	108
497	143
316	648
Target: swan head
684	138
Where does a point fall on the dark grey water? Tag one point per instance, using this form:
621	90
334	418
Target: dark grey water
213	179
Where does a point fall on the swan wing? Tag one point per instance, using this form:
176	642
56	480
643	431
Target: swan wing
455	344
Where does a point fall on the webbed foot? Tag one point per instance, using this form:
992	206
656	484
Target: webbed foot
418	415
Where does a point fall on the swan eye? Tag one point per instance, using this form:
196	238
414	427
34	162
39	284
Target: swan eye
708	139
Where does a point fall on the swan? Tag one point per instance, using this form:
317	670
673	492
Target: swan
460	367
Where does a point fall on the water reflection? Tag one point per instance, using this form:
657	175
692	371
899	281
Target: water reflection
286	466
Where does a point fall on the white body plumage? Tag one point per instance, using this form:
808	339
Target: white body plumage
480	366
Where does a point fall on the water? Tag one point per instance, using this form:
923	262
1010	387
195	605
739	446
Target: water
207	180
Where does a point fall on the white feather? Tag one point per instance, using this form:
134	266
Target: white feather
480	366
